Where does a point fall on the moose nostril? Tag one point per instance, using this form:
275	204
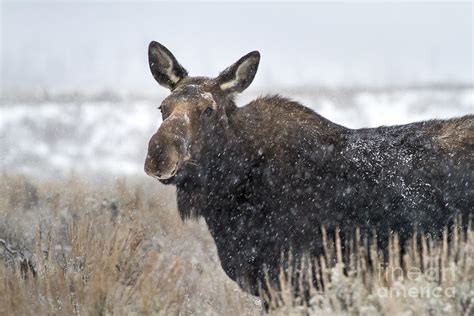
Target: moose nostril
150	167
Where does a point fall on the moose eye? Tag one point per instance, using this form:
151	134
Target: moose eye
208	111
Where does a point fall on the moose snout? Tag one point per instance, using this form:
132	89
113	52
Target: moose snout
165	156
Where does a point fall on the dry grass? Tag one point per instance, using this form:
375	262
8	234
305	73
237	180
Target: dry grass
434	277
118	247
102	249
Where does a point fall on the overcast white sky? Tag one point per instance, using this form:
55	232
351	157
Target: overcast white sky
74	46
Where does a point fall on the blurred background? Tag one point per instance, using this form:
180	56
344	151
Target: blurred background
77	94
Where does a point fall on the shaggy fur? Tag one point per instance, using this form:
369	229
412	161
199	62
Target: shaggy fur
268	176
280	171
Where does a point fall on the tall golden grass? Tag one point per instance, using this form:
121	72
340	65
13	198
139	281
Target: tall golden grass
435	277
119	247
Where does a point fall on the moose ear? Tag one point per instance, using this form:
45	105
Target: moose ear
164	66
240	75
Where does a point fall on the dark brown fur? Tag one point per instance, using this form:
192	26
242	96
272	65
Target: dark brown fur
267	176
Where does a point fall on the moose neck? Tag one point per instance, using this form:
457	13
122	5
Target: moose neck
227	153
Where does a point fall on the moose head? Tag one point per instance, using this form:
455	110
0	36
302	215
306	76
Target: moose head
194	113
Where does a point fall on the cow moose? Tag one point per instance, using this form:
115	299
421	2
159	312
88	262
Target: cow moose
267	176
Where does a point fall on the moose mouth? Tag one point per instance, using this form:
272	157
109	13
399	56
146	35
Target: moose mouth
168	176
172	167
180	172
170	180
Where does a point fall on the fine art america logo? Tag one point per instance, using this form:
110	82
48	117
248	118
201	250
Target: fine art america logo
414	282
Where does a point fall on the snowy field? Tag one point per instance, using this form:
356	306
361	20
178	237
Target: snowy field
102	46
52	136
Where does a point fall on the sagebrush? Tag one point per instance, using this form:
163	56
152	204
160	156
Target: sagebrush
119	247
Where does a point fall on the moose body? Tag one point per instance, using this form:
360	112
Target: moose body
268	176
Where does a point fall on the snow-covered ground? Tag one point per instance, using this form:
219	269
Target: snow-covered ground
57	135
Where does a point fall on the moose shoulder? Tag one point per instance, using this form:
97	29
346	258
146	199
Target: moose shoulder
267	176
